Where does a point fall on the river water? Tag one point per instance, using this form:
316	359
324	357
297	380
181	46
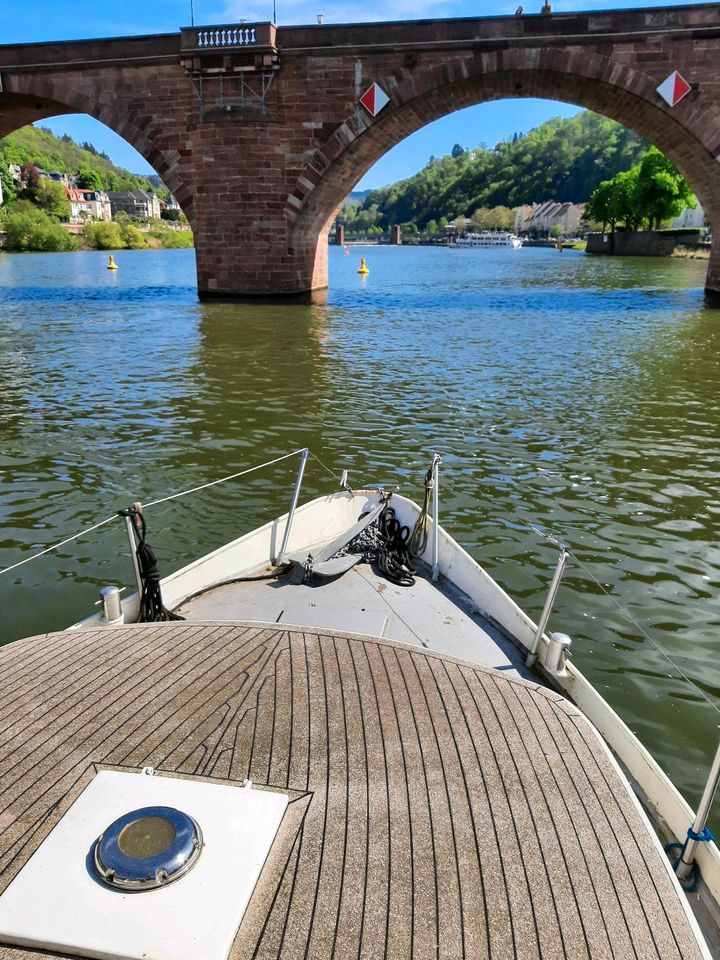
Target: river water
575	393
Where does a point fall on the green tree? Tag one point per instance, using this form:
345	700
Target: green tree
103	235
625	199
28	228
662	192
432	228
132	237
51	197
89	178
601	206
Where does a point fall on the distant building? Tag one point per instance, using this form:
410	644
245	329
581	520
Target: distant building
540	219
690	218
522	214
66	179
137	204
98	204
79	210
15	171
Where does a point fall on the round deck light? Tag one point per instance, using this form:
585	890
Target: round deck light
147	848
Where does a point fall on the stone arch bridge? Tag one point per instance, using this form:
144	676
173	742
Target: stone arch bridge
259	133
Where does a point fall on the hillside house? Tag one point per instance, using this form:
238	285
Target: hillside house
98	203
137	204
79	210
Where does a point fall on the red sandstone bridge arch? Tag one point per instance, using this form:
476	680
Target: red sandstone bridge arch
258	131
621	92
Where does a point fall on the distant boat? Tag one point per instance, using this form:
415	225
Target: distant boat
489	238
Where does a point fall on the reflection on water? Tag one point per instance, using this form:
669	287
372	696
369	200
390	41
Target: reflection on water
571	392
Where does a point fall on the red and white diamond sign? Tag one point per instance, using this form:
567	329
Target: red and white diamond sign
674	88
374	99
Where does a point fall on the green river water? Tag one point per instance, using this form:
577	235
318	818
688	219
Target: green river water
571	392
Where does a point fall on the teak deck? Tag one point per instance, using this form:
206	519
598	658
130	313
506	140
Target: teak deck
437	809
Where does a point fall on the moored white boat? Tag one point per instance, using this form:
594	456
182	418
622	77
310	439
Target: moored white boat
424	736
488	238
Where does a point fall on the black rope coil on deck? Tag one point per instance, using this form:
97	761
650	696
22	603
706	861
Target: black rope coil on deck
385	543
393	557
152	609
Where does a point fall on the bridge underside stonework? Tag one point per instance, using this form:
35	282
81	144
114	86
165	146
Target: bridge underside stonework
260	135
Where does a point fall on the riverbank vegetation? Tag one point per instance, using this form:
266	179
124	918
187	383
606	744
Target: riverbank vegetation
648	194
27	227
35	215
127	236
563	160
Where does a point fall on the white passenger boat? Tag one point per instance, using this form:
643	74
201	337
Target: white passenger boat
355	744
488	238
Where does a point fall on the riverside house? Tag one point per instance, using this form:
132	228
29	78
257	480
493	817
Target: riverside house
539	219
137	204
98	203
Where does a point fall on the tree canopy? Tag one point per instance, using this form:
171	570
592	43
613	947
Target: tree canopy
649	193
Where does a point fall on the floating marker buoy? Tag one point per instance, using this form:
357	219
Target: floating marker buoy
347	251
111	263
363	266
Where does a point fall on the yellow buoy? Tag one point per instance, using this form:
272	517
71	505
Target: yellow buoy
363	266
111	263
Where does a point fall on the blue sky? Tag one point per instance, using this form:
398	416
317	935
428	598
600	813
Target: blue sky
42	20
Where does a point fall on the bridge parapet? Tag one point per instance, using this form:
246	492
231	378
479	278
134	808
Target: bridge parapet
229	49
227	37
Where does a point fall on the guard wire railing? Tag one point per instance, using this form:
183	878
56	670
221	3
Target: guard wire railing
159	500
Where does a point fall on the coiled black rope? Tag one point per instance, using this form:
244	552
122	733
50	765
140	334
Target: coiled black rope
393	558
152	609
385	543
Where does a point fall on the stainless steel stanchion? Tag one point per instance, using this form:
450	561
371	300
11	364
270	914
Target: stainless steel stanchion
280	559
547	609
437	460
697	833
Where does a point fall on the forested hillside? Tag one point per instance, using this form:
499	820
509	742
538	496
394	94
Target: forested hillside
561	160
40	147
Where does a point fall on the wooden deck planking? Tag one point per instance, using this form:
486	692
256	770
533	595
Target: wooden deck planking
438	809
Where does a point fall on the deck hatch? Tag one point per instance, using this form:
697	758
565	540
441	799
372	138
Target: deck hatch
212	838
147	848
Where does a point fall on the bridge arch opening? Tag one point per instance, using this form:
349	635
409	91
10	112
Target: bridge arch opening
18	110
619	92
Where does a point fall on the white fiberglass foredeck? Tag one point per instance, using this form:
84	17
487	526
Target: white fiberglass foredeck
361	601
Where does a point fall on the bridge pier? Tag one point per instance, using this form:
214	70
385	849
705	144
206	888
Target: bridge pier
712	280
251	255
